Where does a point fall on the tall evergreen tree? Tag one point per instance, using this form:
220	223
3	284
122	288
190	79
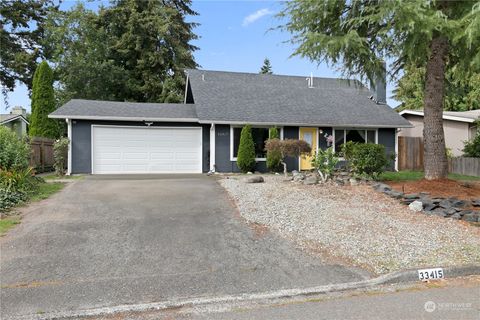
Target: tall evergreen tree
359	34
134	50
462	93
43	99
267	67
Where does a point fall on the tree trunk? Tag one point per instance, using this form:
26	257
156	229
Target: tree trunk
435	156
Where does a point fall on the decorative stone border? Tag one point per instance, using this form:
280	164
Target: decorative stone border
444	207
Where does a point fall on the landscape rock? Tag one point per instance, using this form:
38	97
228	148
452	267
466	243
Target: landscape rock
299	177
353	182
381	187
254	179
310	180
476	202
411	196
471	217
445	204
416	206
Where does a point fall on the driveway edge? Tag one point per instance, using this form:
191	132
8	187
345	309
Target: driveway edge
409	275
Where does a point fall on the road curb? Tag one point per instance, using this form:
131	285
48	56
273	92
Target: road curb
391	278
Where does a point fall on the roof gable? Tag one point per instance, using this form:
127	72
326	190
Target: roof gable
6	118
229	97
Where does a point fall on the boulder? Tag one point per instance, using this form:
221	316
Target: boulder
353	182
446	204
476	202
471	217
299	177
456	216
461	203
381	187
310	180
395	194
429	206
416	206
254	179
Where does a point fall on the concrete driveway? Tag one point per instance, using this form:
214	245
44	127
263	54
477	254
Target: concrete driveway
106	241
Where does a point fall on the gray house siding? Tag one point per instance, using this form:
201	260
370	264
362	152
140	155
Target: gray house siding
222	152
82	141
291	133
387	138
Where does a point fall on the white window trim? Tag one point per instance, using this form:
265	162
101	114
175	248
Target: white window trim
345	134
232	158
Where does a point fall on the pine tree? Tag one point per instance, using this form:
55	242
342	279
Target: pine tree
43	99
246	151
267	67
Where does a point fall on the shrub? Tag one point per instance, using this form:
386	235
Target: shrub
274	157
246	151
366	159
60	154
472	148
288	148
14	151
324	162
15	185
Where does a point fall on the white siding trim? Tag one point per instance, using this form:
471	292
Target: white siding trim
213	134
396	150
70	142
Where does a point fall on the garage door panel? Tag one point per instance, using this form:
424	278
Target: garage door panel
146	150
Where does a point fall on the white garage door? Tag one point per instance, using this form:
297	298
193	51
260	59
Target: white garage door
146	150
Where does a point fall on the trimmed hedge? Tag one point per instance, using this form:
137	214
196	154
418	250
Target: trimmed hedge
365	159
246	151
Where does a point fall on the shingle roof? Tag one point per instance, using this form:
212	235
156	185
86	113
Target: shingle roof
4	118
110	110
274	99
231	97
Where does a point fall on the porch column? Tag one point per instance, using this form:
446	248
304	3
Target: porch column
212	147
69	135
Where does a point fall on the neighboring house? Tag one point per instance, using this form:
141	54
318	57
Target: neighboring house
203	133
458	126
16	120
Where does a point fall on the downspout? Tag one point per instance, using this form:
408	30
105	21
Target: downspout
396	149
69	135
212	148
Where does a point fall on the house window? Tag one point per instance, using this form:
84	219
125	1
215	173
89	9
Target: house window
259	135
355	135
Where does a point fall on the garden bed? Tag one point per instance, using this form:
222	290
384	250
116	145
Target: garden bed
355	225
444	188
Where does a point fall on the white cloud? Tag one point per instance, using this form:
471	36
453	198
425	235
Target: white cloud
251	18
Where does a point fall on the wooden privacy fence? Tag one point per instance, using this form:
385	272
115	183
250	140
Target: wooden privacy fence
42	154
465	166
410	153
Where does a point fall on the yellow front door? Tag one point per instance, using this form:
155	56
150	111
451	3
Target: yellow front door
310	136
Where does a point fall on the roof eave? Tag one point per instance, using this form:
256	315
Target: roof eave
303	124
445	116
108	118
15	118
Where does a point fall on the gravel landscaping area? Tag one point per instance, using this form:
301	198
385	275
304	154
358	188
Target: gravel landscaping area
355	224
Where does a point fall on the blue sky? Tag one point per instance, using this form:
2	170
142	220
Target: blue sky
235	36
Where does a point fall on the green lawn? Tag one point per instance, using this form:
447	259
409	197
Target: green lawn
45	190
54	176
8	223
417	175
